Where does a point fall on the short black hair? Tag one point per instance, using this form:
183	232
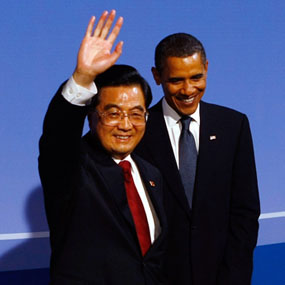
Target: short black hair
121	75
177	45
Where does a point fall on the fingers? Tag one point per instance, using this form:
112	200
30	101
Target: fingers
104	25
90	26
113	35
108	24
98	29
116	53
119	48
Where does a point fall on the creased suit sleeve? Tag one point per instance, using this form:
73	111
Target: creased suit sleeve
237	265
59	152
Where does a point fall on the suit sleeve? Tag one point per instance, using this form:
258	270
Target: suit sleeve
237	265
59	153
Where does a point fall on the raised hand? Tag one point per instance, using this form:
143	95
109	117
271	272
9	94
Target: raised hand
95	56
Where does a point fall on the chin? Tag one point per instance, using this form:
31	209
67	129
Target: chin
121	153
185	111
120	156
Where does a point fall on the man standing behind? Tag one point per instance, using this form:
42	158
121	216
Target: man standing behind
103	204
205	154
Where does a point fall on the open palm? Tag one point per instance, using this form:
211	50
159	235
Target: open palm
95	55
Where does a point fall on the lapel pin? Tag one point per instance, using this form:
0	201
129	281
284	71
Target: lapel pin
152	183
212	138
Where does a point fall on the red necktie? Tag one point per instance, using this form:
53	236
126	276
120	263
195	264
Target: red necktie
136	208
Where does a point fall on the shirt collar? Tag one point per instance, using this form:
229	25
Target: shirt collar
128	158
172	117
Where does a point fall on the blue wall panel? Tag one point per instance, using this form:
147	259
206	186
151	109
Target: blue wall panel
245	44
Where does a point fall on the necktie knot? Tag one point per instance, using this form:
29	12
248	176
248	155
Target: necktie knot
126	166
185	121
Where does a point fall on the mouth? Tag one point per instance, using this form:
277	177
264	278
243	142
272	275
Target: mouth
186	100
122	138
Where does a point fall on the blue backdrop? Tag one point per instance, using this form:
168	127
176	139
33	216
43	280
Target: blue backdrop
245	43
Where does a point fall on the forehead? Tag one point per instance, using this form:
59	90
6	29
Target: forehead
122	96
188	64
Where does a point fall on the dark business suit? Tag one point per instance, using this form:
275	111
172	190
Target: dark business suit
93	237
216	239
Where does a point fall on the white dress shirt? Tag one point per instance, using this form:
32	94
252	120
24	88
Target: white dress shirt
153	222
174	127
80	96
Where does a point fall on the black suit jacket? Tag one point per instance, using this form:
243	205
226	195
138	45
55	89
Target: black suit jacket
93	237
212	244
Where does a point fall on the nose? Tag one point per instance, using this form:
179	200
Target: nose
125	124
187	88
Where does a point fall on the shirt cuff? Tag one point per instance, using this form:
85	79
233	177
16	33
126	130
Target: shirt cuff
78	95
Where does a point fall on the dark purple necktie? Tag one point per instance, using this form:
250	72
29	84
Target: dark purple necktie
187	159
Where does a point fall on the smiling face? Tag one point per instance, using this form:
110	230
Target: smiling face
183	80
119	140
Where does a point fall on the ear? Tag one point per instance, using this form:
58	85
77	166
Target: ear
206	66
156	75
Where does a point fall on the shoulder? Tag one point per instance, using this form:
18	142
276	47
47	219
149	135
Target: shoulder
218	109
156	108
221	115
225	122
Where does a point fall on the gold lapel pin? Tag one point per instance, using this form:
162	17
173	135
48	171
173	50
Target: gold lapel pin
152	183
212	138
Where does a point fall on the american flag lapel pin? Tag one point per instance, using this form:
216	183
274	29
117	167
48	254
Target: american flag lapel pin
213	137
152	183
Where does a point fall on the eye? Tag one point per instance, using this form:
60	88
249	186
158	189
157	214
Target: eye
197	77
137	114
175	80
113	115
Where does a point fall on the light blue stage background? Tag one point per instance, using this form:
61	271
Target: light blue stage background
244	40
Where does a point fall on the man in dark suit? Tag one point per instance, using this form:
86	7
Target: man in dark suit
212	200
104	205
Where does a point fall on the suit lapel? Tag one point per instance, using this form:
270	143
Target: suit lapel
154	189
205	131
112	177
162	154
208	135
151	184
208	141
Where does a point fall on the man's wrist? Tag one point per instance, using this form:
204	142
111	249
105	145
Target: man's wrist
82	79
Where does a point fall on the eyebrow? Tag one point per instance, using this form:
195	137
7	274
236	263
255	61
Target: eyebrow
109	106
173	79
195	76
